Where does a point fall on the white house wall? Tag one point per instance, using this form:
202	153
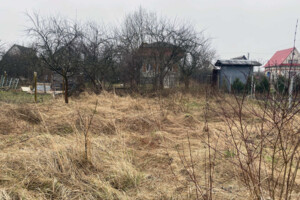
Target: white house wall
296	57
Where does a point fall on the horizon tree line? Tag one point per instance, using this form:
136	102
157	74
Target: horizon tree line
114	55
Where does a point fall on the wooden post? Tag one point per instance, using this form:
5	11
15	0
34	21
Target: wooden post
35	86
45	88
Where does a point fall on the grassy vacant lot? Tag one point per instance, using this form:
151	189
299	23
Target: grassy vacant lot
137	146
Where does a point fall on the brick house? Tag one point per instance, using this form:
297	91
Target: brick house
157	59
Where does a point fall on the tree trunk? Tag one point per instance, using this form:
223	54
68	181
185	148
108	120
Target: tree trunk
161	83
187	82
103	87
66	89
133	84
96	87
154	83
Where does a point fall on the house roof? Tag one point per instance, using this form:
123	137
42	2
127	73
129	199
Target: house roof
243	57
237	62
279	57
21	49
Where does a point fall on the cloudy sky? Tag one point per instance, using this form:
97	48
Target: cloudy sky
236	27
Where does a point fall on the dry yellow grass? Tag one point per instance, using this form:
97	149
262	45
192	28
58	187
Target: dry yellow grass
133	150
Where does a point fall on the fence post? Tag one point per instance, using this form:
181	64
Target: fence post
5	76
16	85
10	82
45	88
35	86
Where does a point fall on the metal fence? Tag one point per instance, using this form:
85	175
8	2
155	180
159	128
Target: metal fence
8	82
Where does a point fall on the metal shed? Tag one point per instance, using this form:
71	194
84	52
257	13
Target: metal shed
233	69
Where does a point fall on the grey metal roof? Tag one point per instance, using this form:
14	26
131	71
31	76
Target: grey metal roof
237	62
243	57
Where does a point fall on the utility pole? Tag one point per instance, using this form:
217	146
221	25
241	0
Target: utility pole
252	78
252	83
291	75
35	86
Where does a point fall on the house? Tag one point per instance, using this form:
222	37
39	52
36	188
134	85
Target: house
281	63
160	59
18	50
232	69
20	62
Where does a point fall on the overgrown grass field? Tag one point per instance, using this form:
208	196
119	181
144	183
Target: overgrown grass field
139	148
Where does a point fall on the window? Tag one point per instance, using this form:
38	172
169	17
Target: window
294	61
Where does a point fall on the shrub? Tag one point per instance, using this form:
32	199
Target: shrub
263	85
248	83
281	85
229	154
237	86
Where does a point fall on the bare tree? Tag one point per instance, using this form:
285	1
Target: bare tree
198	57
262	137
131	36
99	49
172	39
147	39
85	122
57	40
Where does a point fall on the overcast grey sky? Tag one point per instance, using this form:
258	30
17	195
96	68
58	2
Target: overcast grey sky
236	27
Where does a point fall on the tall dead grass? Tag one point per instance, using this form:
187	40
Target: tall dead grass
133	144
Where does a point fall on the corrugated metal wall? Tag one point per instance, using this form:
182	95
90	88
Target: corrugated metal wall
229	73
